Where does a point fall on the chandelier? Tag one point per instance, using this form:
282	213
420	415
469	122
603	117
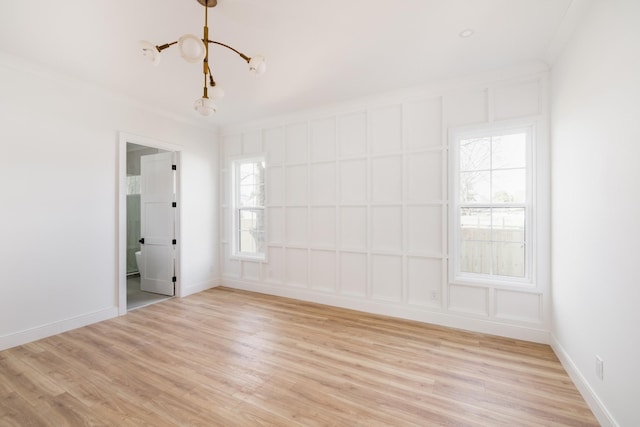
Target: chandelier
194	49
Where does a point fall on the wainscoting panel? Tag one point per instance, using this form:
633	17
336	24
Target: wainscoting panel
386	273
251	270
295	224
424	230
353	228
296	148
386	228
274	268
323	269
424	281
518	99
423	123
323	140
274	146
352	134
252	142
386	129
353	181
469	299
296	262
274	183
322	184
467	107
386	179
424	176
520	306
322	227
353	274
296	185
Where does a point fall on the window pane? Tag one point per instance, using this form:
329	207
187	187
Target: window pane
492	241
475	187
251	230
133	184
475	236
251	195
247	171
251	184
508	224
475	224
475	257
508	259
509	186
509	151
475	154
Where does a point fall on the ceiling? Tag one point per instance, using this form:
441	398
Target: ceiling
317	52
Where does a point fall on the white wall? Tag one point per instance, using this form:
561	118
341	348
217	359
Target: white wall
357	205
58	180
596	208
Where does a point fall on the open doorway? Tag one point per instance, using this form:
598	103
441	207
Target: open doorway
148	222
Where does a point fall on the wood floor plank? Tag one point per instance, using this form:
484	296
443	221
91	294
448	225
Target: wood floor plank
17	412
231	358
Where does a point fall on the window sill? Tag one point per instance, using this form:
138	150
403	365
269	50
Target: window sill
253	258
520	285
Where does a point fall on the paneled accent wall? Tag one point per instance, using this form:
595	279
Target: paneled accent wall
357	208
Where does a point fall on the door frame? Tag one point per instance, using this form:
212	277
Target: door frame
121	231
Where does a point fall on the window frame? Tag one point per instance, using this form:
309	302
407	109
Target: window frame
531	228
236	208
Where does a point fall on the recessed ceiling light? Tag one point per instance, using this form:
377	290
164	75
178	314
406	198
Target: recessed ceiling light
466	33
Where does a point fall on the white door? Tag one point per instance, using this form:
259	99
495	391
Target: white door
157	223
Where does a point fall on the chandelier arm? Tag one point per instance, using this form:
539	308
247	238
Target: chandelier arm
212	82
165	46
205	62
204	88
242	55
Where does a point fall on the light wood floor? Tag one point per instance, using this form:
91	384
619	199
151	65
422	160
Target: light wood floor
232	358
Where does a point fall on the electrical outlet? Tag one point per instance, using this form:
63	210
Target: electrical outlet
599	368
434	295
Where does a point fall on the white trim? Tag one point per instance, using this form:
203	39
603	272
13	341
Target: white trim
121	210
401	311
199	287
598	408
50	329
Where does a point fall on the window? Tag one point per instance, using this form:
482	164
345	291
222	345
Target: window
248	209
492	212
133	184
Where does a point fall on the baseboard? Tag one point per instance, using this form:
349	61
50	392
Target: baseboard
595	404
198	287
402	311
34	334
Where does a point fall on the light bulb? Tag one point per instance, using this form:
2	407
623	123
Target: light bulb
257	65
150	51
205	106
192	49
216	92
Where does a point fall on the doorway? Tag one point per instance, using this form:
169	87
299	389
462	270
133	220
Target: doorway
148	267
